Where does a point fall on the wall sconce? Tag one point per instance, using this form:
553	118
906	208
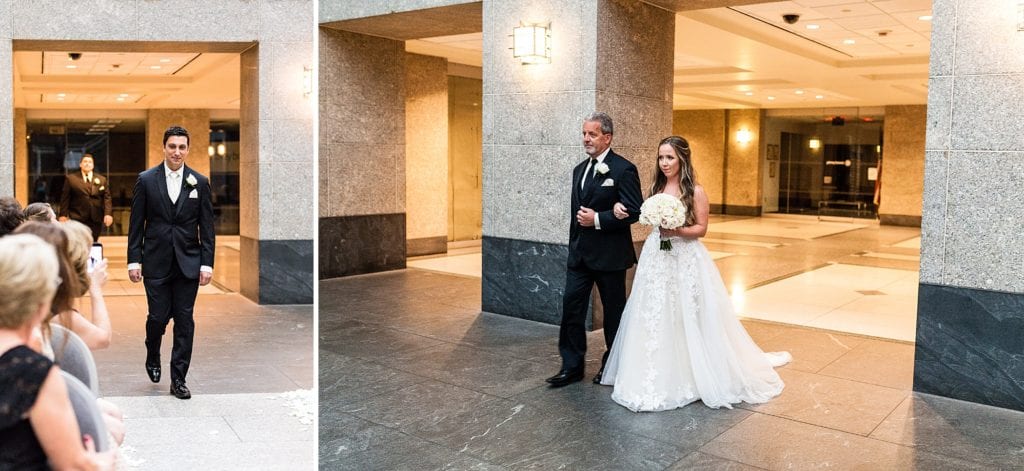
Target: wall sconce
531	43
744	136
307	81
210	150
814	143
222	149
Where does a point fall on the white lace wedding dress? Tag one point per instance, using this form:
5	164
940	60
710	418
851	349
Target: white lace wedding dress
680	341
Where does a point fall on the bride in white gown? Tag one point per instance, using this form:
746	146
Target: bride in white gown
679	340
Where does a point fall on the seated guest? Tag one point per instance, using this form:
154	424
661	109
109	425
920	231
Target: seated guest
95	333
38	429
41	212
11	215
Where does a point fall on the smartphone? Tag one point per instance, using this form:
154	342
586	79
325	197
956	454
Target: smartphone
95	254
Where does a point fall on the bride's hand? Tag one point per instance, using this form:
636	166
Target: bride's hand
620	211
669	232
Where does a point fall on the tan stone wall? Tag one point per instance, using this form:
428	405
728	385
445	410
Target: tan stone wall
465	154
705	131
197	122
21	182
426	146
903	163
743	164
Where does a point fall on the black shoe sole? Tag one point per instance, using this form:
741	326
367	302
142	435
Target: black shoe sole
566	382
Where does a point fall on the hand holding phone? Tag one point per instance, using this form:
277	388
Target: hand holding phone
95	255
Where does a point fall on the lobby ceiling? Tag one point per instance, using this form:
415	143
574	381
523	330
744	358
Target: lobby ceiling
839	53
72	80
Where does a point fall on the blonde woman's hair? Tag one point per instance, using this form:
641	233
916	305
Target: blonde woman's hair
29	266
79	245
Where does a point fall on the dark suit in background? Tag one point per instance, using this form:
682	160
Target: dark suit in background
86	201
171	241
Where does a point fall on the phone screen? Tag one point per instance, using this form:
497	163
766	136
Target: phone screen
95	254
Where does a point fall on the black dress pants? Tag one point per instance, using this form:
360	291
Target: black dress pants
171	297
572	337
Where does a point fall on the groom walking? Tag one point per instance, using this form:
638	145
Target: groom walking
170	249
600	245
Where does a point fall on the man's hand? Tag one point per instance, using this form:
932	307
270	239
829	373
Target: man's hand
63	219
585	216
205	278
135	275
108	220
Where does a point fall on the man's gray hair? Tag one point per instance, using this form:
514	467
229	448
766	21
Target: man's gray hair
604	119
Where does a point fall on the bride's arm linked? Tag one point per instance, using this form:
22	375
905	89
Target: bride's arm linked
701	207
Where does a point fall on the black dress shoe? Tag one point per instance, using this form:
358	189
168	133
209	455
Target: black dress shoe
179	390
565	378
154	373
597	378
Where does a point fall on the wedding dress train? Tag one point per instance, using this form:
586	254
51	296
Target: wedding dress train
679	340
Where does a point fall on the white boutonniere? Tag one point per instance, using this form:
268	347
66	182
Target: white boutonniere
191	180
96	181
102	188
602	168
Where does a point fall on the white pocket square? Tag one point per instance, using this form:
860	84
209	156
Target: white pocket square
193	194
608	182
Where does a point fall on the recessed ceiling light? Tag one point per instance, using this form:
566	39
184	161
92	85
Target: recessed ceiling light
771	98
165	60
799	92
120	98
123	95
813	26
749	94
71	66
925	17
62	95
819	96
155	67
849	41
60	98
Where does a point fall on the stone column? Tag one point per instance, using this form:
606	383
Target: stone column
6	101
426	150
971	296
903	165
21	183
743	164
705	131
362	153
197	122
608	55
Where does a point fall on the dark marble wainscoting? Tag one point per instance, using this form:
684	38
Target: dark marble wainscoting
523	279
426	246
899	220
352	245
970	345
277	271
738	210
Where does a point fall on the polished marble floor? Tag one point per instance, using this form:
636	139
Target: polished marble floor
850	275
413	376
251	378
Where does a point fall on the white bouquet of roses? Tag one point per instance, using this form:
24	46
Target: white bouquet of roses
665	211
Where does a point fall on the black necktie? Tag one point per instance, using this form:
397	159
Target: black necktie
589	170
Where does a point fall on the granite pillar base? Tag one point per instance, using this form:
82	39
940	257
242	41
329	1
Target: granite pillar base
523	279
353	245
277	271
899	220
969	345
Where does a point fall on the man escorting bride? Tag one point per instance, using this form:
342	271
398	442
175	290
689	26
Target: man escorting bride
679	340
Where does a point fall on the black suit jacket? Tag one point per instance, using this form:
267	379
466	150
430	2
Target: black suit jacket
159	230
611	247
84	201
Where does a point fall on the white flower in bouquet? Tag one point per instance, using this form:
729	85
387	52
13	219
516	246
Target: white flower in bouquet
665	211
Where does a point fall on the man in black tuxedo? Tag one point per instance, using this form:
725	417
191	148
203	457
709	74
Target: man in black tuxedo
170	248
600	245
86	198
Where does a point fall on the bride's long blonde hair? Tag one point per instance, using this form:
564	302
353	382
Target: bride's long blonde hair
687	176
